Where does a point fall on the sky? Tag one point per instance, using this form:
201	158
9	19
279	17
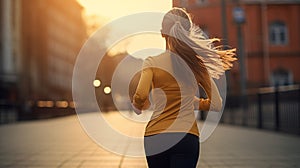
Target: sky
112	9
109	10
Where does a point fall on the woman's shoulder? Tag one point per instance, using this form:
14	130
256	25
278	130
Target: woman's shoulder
157	58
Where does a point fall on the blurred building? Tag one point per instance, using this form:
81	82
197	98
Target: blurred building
10	54
269	36
40	40
53	33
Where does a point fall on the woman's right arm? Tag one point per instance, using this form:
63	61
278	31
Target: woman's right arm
213	102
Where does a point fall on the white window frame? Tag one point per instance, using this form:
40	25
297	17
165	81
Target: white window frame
276	30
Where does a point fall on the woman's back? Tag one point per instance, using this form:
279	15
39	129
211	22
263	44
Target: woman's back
172	97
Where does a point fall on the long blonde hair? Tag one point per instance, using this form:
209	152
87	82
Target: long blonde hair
188	41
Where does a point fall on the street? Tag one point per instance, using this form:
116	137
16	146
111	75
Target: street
62	142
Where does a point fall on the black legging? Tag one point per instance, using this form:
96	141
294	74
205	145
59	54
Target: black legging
172	150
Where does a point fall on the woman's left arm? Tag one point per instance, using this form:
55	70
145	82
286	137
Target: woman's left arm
140	98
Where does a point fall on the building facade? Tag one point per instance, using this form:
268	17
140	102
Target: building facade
268	40
10	57
53	33
40	40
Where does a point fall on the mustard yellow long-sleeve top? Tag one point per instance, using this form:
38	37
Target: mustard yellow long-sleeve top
174	106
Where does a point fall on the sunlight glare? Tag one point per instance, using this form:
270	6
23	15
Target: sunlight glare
113	9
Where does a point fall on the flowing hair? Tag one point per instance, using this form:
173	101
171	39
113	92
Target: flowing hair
190	43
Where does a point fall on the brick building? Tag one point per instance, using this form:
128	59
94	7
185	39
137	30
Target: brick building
270	36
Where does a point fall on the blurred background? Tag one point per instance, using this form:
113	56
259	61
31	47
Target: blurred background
40	40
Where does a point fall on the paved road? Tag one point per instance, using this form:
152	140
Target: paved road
62	143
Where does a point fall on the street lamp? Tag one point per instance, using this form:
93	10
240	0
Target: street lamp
239	18
97	83
107	90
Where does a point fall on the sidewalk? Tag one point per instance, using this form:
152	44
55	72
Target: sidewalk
62	143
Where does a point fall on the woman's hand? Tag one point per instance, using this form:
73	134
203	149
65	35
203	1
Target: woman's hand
138	111
146	105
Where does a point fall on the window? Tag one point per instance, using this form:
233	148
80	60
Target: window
201	2
278	33
281	76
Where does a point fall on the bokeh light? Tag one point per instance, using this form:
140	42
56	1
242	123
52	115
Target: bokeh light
107	90
97	83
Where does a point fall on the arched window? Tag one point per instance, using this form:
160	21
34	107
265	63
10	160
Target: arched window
278	33
281	76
